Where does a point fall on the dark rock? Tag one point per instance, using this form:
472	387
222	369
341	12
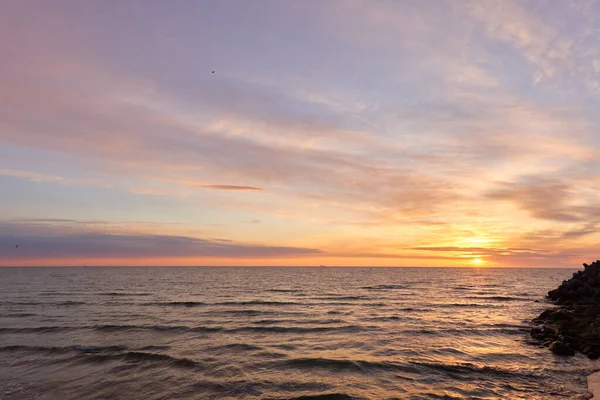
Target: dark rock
561	349
554	294
560	315
545	314
535	331
576	324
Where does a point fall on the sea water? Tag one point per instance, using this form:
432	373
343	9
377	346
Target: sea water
279	333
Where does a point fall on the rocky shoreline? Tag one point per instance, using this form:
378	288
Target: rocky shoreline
573	326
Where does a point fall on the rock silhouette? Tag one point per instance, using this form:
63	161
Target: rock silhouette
574	326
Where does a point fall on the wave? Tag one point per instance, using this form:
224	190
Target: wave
345	365
122	294
162	328
337	312
390	318
62	350
98	349
38	303
497	298
138	357
237	346
375	304
284	290
272	321
206	329
22	303
482	331
507	326
80	349
295	321
525	294
178	303
70	303
36	349
19	315
328	396
154	347
461	287
257	303
108	353
244	312
184	329
59	293
298	329
462	370
116	328
334	297
38	329
463	305
105	328
145	356
385	287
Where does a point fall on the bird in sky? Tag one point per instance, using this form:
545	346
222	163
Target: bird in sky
213	72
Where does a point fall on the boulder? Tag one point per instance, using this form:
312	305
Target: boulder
561	349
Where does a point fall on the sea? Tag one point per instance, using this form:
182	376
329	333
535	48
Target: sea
279	333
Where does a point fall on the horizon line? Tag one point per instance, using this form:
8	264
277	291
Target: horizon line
285	266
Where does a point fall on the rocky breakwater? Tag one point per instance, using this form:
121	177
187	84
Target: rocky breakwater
575	324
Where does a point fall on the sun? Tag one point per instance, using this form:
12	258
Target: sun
477	261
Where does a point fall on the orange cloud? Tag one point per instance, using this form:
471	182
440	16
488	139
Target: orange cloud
231	187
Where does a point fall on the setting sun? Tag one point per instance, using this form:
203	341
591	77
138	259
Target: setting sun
477	261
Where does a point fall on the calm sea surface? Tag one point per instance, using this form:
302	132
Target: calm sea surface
278	333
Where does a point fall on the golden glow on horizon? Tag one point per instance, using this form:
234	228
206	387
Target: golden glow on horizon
477	241
478	261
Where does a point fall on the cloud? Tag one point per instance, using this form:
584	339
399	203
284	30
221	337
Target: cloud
553	37
81	244
471	249
157	145
549	199
231	187
32	176
516	257
507	21
56	221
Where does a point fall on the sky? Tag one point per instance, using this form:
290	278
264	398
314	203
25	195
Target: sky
331	132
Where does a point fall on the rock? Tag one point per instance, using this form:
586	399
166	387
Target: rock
544	315
554	294
560	315
561	349
576	324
